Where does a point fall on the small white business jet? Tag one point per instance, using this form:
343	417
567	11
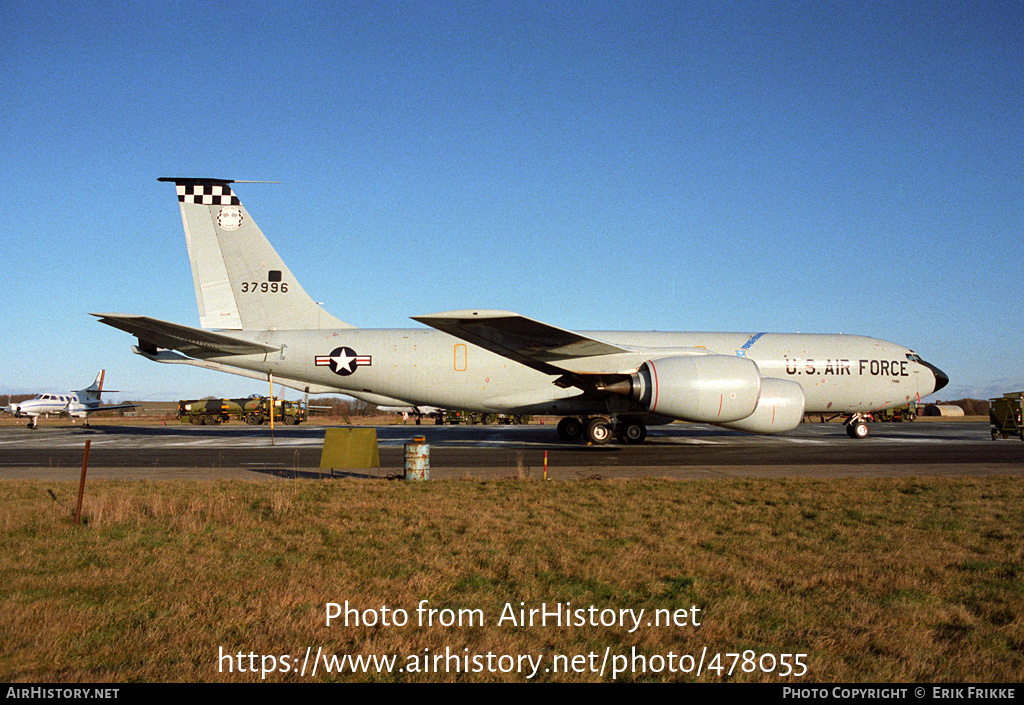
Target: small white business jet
77	405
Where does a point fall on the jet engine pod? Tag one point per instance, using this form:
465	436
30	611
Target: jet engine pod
780	408
705	388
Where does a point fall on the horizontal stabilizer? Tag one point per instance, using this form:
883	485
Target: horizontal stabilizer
119	407
193	342
519	338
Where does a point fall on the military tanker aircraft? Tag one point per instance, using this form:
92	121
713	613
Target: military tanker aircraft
257	320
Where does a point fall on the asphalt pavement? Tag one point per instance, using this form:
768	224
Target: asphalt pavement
677	451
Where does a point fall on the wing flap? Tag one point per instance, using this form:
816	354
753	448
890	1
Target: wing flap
527	341
193	342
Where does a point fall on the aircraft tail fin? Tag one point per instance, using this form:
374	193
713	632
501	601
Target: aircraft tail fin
241	282
94	390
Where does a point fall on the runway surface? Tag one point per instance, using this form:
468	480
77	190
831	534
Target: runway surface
678	451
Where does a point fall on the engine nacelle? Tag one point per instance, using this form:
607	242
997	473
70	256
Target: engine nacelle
704	388
780	408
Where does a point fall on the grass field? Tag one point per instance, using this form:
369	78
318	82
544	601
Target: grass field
874	580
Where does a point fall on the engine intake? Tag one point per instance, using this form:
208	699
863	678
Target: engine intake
704	388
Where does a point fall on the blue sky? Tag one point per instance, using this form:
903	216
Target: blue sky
850	167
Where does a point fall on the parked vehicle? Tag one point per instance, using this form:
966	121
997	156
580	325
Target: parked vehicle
253	410
1005	415
454	416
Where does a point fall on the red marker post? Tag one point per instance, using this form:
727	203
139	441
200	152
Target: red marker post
81	482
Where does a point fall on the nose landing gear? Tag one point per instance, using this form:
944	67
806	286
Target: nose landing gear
857	427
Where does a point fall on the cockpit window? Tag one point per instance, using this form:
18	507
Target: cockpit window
914	357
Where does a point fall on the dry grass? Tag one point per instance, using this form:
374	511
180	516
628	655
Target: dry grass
876	580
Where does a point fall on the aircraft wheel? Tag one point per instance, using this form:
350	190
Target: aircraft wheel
599	431
857	429
570	429
633	432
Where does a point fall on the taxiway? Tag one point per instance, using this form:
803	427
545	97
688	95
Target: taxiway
677	451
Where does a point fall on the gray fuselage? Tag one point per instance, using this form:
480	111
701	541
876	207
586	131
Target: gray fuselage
838	373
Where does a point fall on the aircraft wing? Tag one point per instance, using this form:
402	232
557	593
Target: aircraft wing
525	340
193	342
84	412
93	410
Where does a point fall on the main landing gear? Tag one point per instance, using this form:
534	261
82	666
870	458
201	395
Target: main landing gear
599	430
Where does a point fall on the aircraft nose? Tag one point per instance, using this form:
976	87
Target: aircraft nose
941	379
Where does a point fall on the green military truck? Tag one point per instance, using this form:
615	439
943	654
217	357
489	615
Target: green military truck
253	410
201	412
907	412
1005	415
290	413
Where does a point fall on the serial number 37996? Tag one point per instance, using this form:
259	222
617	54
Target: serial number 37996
265	287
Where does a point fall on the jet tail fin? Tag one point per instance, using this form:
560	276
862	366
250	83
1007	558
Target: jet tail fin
241	282
97	385
94	390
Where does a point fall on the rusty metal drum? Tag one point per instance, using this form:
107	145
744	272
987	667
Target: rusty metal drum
417	459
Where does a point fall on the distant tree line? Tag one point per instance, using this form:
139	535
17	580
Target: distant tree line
14	398
337	406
